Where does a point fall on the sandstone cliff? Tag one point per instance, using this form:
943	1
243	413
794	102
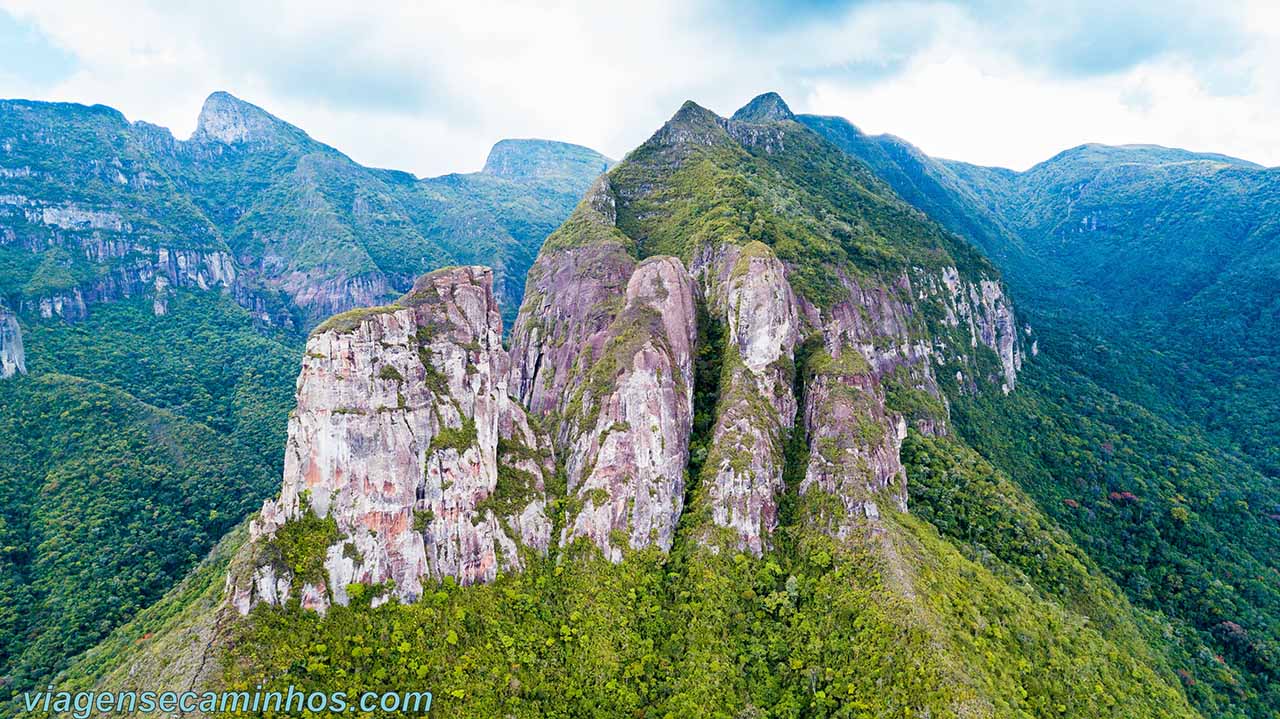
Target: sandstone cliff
627	425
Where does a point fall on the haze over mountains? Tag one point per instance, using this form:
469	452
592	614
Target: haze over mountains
792	421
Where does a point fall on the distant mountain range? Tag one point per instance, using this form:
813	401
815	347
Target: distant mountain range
96	208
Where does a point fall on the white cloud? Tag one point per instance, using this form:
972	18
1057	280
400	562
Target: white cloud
429	88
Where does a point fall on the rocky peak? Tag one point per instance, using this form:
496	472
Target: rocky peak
768	107
229	120
404	427
692	125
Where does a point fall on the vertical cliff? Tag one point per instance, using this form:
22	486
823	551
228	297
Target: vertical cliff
746	290
407	460
589	260
839	309
12	358
627	424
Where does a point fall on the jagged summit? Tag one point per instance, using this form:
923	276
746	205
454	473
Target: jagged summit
691	114
692	124
228	119
769	107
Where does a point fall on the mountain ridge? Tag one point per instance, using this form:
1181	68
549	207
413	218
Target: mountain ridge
326	261
770	436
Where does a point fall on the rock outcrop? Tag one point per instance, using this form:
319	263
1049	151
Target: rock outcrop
603	348
627	426
12	359
984	309
406	439
854	442
587	260
411	438
746	289
229	120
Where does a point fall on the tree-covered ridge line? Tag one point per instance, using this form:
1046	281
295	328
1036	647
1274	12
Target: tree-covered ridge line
1145	429
97	207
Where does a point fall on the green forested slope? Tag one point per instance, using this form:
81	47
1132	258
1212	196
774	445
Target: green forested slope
133	445
1146	428
107	502
87	197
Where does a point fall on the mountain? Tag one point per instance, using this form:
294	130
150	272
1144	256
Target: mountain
97	208
728	465
155	296
1168	255
1173	251
1146	428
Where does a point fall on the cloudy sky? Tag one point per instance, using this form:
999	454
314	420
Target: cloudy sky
429	89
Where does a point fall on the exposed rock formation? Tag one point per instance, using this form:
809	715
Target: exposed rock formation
550	332
291	229
854	442
747	289
769	107
876	340
402	410
627	427
988	314
406	438
12	358
229	120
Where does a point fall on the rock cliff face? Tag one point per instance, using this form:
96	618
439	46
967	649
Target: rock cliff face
627	426
411	435
550	333
12	359
866	363
746	289
70	235
228	120
854	442
294	231
604	347
406	439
